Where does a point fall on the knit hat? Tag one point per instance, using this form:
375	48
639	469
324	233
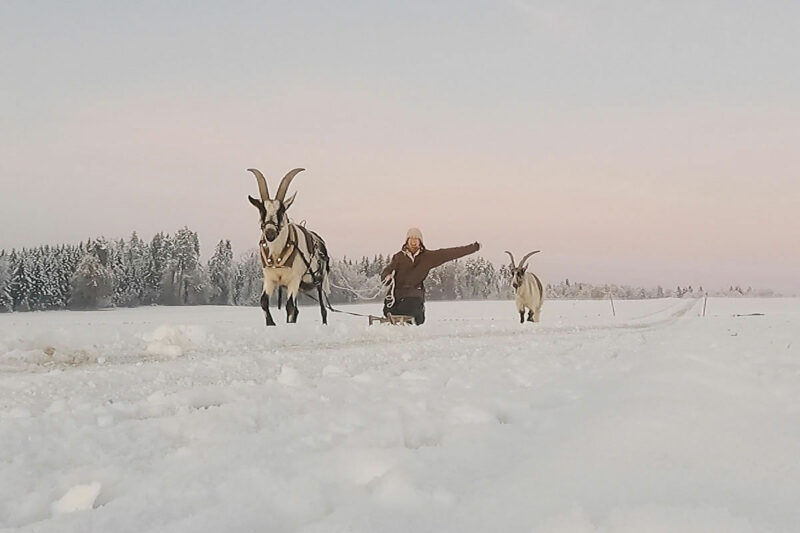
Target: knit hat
414	232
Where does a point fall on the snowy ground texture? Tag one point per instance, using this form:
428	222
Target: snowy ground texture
202	420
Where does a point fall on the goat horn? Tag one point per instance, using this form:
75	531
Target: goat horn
262	183
284	186
512	259
522	263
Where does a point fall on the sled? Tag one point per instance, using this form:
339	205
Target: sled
392	319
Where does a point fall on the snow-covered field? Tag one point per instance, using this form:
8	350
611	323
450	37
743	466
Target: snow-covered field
203	420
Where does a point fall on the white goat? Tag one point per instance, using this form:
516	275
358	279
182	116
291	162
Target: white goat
291	255
528	290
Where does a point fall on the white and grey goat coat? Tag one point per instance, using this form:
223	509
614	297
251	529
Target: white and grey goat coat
292	256
528	289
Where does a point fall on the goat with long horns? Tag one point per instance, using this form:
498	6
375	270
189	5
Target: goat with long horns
528	291
292	256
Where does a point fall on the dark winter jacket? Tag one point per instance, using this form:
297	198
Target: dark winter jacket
411	270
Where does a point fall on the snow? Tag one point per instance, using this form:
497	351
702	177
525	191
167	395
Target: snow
201	419
78	498
173	341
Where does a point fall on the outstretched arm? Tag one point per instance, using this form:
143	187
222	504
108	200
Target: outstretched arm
443	255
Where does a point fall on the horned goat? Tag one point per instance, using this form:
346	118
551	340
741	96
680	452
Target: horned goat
528	290
291	255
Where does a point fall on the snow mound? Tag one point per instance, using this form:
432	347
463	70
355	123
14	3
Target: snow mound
174	341
290	377
78	498
45	348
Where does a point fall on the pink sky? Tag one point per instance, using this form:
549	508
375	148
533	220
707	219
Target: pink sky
627	154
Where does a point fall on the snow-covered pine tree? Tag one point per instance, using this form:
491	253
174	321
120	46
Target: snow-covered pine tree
182	264
238	283
125	291
71	257
19	287
221	272
249	279
5	281
184	282
375	267
198	287
100	249
479	280
120	281
381	263
341	273
156	257
504	281
33	268
48	273
55	266
136	260
444	282
92	284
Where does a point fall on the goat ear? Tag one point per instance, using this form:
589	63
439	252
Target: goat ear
288	203
259	205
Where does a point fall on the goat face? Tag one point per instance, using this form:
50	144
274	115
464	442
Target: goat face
518	276
272	216
518	271
272	212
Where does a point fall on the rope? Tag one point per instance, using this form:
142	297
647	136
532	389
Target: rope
328	305
389	300
359	294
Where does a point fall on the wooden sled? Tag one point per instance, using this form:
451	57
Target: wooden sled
392	319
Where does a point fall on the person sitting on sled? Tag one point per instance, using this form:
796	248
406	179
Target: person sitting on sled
407	271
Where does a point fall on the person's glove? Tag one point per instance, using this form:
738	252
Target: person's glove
476	243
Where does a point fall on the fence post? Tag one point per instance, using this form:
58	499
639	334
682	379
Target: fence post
611	297
705	301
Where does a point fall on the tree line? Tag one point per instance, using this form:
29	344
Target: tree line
168	270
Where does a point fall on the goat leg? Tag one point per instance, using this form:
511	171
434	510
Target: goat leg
265	307
291	309
322	305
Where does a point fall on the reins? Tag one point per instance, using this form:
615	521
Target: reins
328	306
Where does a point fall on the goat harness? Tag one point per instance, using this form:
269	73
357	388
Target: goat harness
286	255
285	259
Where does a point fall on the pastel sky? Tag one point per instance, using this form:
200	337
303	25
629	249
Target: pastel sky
633	142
